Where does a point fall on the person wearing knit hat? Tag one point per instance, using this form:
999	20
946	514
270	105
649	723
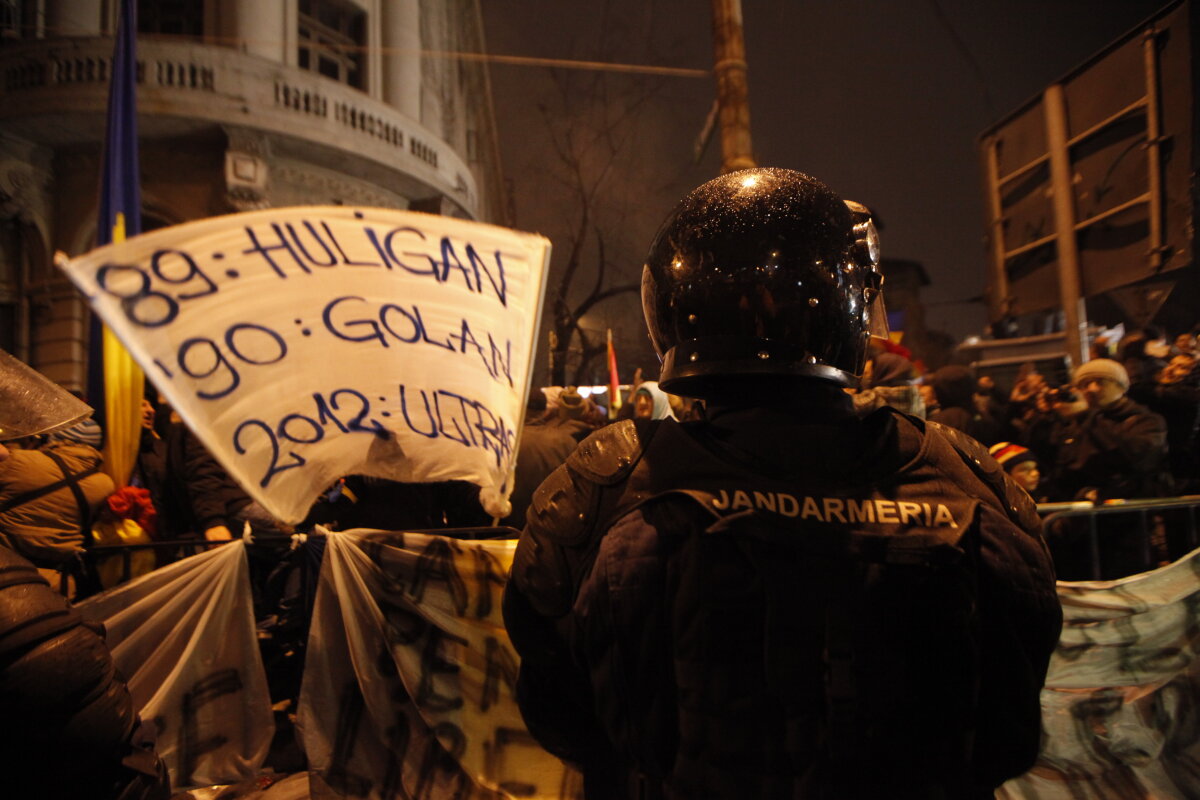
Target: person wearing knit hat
1104	446
1101	381
86	431
1019	462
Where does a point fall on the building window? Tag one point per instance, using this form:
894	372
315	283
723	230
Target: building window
18	19
333	37
171	17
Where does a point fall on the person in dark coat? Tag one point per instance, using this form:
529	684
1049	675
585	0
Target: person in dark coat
1106	445
545	445
1176	396
197	497
782	600
955	387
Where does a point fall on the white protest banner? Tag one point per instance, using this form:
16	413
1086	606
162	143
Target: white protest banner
185	640
409	675
309	343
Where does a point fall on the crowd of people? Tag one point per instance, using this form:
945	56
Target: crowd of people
1124	426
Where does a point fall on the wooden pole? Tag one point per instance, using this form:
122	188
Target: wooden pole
733	95
1069	287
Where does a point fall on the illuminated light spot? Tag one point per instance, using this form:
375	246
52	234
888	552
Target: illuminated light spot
749	182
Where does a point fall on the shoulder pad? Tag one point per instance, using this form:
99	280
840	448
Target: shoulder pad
558	525
1017	503
610	454
563	506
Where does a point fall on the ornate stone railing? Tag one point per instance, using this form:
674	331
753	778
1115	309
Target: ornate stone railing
223	86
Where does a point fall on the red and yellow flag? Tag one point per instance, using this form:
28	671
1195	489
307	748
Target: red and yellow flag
614	381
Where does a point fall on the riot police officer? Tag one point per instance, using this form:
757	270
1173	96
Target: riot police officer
780	600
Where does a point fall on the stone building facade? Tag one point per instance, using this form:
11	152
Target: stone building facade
242	104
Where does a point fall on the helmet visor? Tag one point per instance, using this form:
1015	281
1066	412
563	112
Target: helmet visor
877	321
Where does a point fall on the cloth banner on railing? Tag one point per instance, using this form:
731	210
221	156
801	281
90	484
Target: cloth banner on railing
409	674
1121	706
184	637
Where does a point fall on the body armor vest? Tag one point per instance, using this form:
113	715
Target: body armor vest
805	617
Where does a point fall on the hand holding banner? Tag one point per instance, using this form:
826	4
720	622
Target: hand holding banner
305	344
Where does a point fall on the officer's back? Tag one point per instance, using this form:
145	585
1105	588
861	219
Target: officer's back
781	600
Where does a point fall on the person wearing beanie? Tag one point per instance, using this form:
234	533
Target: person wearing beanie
1102	381
86	431
1020	463
1105	446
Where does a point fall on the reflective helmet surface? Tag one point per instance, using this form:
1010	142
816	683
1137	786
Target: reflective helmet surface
31	404
762	272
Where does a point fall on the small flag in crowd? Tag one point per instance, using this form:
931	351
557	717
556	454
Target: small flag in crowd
614	380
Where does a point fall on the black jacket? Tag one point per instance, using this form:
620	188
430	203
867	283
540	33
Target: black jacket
1120	450
196	492
589	605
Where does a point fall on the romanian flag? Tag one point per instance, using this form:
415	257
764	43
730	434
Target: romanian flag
614	381
114	380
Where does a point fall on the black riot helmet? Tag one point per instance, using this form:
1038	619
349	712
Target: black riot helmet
762	272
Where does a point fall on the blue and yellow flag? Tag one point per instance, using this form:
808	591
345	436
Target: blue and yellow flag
114	379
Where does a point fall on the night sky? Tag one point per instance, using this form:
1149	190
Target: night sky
881	100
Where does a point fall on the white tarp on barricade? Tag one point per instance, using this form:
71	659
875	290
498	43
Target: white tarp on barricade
184	637
409	673
305	344
1121	707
